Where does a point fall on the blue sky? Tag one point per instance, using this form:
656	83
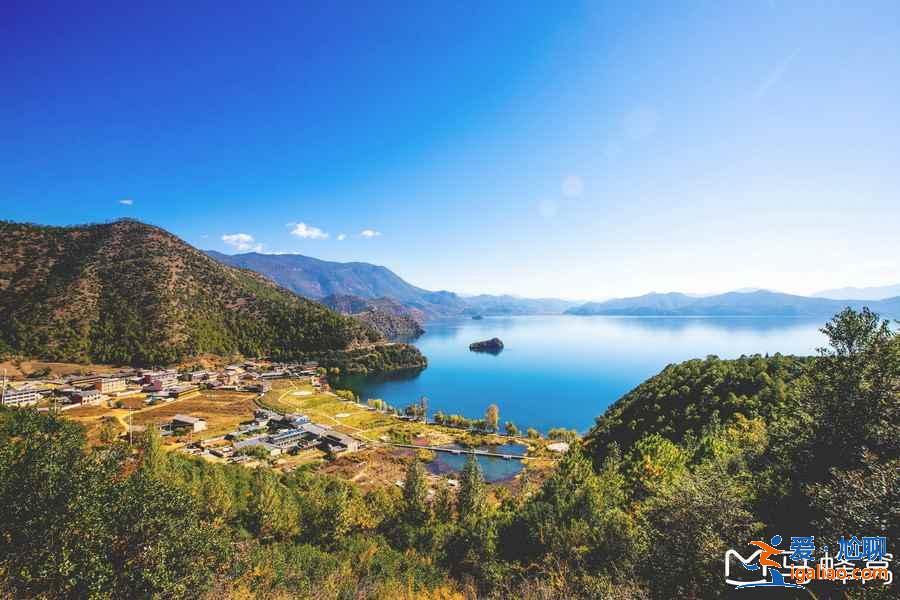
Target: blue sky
582	150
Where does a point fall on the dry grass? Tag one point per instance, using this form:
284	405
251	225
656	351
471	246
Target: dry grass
372	468
223	411
20	369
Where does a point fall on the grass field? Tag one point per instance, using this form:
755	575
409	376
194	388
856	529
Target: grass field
223	411
324	408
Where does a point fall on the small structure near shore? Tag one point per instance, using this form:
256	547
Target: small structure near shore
493	346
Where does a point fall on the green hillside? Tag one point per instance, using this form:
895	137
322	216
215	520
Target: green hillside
127	292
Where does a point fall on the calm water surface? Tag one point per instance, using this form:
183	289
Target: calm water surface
562	371
494	469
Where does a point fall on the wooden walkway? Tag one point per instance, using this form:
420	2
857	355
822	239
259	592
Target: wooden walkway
461	451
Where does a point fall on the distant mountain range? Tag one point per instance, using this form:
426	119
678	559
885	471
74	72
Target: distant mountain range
758	303
318	279
864	293
367	285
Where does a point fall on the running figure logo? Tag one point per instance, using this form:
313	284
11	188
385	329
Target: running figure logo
766	551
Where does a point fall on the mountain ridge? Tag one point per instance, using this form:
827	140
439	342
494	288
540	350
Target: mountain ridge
879	292
318	279
758	303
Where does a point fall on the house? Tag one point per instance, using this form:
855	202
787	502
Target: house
85	380
87	396
295	420
183	391
23	397
273	374
194	424
164	379
260	387
258	442
195	376
110	385
314	430
338	442
287	438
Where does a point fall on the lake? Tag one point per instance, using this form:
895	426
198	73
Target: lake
494	468
562	371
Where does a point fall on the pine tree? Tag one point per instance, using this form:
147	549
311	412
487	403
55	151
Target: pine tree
270	508
218	502
443	503
415	494
153	458
471	489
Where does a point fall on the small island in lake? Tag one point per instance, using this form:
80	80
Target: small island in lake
493	345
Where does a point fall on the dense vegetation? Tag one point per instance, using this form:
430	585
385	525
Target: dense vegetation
130	293
394	360
645	508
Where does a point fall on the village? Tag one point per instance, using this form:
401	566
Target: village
257	413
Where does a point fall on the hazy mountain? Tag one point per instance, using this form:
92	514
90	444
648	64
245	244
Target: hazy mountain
758	303
865	293
485	304
648	304
127	292
389	317
317	279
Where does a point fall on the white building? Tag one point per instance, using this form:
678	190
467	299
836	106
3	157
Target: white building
24	397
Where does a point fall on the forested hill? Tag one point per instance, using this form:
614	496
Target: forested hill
688	398
127	292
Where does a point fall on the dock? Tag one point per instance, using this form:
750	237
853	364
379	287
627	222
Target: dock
460	451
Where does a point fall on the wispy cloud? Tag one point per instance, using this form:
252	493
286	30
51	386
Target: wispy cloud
369	233
242	242
126	202
341	237
307	232
775	75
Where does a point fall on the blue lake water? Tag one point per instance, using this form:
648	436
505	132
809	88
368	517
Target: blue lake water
494	468
562	371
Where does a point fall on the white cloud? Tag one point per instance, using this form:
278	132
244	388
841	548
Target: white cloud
572	186
369	233
126	202
341	237
307	232
241	242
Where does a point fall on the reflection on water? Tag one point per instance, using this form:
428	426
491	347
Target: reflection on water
562	371
494	468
